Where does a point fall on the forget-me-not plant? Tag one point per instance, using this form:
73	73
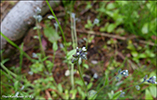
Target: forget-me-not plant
80	54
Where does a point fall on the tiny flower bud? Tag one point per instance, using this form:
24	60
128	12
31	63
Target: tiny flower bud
73	15
38	10
96	21
50	17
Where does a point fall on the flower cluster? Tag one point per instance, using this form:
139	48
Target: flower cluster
150	80
124	73
80	54
37	16
121	74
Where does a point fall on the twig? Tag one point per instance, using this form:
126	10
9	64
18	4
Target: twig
113	36
48	94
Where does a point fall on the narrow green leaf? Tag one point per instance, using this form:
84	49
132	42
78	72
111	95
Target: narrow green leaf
86	66
70	53
106	80
148	95
60	88
13	44
89	85
116	95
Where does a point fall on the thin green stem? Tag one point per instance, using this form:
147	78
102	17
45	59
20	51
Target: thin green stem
81	75
13	44
74	30
72	75
8	71
41	46
103	87
74	42
72	35
56	20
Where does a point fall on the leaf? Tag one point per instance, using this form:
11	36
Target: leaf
106	80
86	66
111	27
110	6
81	92
152	74
102	29
153	90
134	53
55	46
73	92
111	94
145	28
91	93
89	85
70	53
89	24
116	95
142	55
16	85
13	44
60	88
51	34
148	95
79	82
66	94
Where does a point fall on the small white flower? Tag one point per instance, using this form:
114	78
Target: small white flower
50	17
154	77
73	15
78	53
39	18
95	75
67	73
34	55
56	24
36	37
96	21
22	87
84	49
30	72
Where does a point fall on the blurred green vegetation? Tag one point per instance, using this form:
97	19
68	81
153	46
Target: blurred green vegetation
124	18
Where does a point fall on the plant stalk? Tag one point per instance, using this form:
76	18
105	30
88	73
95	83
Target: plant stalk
81	75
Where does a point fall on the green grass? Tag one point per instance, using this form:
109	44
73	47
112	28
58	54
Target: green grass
136	18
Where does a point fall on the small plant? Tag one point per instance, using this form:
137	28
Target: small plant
80	54
57	76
